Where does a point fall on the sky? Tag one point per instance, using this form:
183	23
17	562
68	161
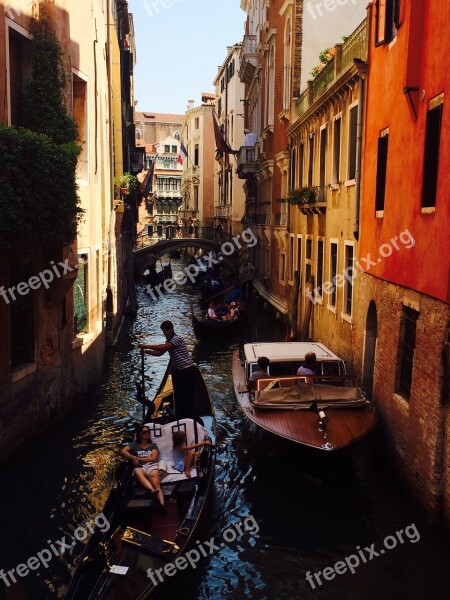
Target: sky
179	49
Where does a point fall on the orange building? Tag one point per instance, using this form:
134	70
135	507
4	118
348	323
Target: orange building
405	244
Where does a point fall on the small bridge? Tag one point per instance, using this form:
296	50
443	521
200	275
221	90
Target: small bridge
145	247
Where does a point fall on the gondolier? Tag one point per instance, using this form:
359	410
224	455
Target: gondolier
184	372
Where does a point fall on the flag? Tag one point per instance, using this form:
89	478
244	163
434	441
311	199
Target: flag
182	154
221	143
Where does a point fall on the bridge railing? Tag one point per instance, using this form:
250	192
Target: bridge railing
200	232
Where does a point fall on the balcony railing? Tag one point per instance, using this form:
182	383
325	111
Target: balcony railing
247	161
280	219
263	219
249	58
354	47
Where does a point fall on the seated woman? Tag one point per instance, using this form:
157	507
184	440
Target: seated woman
144	457
183	455
211	314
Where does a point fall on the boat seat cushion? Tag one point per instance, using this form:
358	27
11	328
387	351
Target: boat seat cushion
162	436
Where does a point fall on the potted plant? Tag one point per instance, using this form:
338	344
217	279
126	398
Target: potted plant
304	195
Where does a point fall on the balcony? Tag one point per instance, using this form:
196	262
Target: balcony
249	58
247	161
222	211
354	48
263	219
280	219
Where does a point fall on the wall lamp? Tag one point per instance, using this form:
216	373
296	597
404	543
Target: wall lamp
408	91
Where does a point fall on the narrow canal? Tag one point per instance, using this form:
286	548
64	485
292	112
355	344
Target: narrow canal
62	481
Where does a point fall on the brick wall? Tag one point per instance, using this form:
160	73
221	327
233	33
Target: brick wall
413	430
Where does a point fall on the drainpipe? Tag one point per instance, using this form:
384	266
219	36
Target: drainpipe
362	72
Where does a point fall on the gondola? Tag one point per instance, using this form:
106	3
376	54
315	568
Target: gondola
212	330
325	412
141	539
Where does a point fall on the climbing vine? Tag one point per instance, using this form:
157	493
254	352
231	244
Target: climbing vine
38	191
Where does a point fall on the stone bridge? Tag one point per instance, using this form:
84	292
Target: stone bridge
166	246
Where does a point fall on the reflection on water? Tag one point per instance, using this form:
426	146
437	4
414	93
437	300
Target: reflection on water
62	481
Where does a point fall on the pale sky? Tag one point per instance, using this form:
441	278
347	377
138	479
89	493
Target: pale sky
179	49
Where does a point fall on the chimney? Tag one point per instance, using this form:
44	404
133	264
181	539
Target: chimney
190	104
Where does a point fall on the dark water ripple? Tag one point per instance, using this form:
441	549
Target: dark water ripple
62	482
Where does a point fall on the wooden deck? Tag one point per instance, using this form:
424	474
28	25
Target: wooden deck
345	426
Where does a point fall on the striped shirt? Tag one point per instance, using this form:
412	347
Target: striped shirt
179	354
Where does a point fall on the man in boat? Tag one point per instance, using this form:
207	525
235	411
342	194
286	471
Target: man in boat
310	365
260	373
183	369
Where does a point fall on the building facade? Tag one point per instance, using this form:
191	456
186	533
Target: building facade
198	166
403	293
53	339
229	196
323	203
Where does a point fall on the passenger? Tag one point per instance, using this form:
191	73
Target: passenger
310	365
144	457
234	312
260	373
183	455
211	312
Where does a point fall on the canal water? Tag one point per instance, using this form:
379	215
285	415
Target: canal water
58	486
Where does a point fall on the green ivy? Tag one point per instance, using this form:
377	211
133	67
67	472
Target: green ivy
39	204
38	193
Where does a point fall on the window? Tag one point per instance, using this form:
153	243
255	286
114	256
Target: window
299	260
292	172
431	153
19	72
308	260
348	278
167	148
333	273
174	150
282	267
352	126
197	122
80	116
311	161
301	160
291	257
196	197
406	350
381	170
196	155
322	165
81	296
387	20
319	268
22	319
336	177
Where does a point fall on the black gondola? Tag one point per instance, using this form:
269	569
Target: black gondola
142	539
216	329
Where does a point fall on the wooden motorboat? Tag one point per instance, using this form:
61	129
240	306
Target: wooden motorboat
325	411
142	539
